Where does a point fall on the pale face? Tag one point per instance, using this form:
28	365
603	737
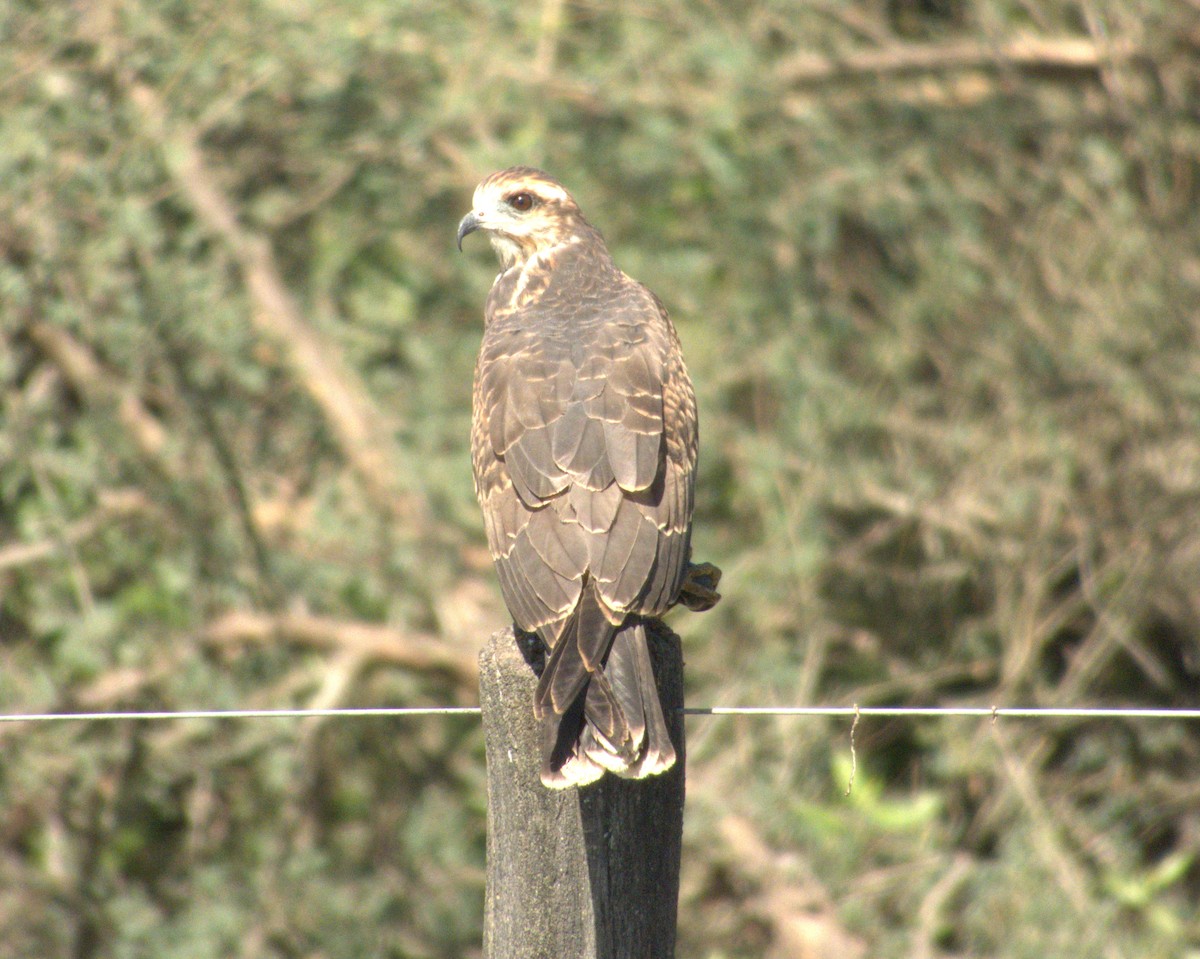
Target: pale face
522	211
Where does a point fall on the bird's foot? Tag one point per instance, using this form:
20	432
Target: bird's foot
699	589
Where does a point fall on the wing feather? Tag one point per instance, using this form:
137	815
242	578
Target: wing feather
559	544
622	560
669	503
579	449
555	592
531	466
631	578
584	453
520	597
635	457
595	509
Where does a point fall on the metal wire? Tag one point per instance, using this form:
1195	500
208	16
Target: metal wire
394	712
994	712
369	712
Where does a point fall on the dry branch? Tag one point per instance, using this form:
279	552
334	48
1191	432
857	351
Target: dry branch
779	891
88	378
113	505
412	651
1023	788
358	426
99	387
355	422
1034	55
930	919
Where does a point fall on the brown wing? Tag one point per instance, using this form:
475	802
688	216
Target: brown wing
584	450
540	556
638	551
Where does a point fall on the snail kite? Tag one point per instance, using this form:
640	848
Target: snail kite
583	445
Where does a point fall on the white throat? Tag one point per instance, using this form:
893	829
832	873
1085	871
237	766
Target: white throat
540	257
507	250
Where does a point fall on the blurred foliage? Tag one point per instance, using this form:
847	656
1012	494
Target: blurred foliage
936	266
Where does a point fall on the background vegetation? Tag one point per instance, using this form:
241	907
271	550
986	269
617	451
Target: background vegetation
936	266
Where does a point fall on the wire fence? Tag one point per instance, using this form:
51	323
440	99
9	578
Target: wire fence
856	712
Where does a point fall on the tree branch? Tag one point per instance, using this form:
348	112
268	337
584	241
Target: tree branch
416	652
357	425
87	377
113	505
1064	56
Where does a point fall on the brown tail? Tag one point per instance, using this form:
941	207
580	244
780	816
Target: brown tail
598	699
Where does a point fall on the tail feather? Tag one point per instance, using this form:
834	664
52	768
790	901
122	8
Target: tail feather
657	753
578	653
608	716
561	768
623	676
613	718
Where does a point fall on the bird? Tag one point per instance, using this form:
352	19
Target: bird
584	443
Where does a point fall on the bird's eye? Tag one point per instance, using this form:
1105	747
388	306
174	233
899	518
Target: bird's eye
521	202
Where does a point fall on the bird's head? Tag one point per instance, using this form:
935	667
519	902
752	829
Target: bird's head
523	211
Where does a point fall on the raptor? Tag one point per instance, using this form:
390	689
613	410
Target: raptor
584	442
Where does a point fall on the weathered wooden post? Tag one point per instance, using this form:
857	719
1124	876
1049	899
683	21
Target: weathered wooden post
590	873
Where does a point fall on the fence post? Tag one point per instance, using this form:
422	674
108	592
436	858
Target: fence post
590	873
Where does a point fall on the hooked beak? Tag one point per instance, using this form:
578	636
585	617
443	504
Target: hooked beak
468	224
